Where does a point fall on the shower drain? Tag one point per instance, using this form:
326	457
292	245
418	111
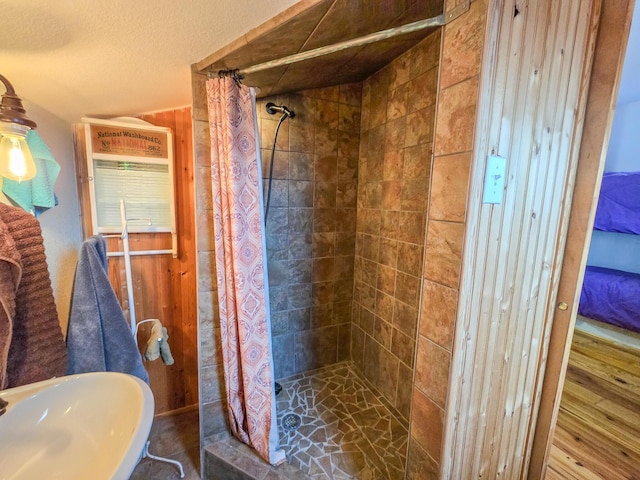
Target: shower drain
291	422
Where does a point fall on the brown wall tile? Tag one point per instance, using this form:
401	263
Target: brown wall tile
384	306
204	231
350	94
312	221
417	162
427	423
388	374
357	347
398	109
449	186
392	167
399	70
397	103
462	45
382	332
267	133
345	243
299	271
201	143
301	165
456	118
348	148
405	318
346	220
395	134
324	194
405	390
300	193
327	114
420	128
411	227
346	194
367	246
323	269
301	137
199	93
326	168
413	196
437	315
425	55
410	258
391	195
424	88
326	142
403	347
204	196
388	254
407	288
420	466
324	219
386	279
443	252
324	244
432	370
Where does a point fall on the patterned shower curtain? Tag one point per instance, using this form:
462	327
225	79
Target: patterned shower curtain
241	266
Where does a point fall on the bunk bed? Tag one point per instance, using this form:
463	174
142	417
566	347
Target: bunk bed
608	295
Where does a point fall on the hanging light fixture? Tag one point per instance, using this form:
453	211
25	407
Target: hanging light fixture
16	162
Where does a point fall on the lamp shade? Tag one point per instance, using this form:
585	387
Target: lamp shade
16	161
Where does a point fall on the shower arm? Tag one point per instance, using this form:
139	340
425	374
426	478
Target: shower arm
273	108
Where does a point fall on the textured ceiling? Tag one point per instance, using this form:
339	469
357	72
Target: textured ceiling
121	57
116	57
325	22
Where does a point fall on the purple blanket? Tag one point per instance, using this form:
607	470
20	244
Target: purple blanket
619	203
611	296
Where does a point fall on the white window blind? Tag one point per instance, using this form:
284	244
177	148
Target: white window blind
145	187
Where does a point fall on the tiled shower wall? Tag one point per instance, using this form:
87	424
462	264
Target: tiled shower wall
398	112
311	224
213	413
462	46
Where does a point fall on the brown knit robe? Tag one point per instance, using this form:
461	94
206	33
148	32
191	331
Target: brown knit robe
32	336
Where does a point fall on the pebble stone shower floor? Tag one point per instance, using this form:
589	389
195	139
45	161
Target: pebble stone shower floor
346	432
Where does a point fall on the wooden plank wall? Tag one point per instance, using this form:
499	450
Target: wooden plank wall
164	287
530	111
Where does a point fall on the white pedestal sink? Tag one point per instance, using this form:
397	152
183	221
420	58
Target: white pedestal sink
87	426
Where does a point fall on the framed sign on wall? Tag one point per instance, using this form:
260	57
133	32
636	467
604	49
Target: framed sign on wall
130	161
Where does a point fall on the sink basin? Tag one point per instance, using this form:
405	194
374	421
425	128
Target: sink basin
85	426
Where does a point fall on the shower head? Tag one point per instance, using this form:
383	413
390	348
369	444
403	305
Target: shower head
273	108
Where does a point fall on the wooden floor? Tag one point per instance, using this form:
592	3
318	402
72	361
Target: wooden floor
598	430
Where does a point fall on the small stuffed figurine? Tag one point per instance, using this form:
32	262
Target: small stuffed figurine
157	345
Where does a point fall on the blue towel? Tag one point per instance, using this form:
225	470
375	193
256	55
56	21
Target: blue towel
36	195
99	338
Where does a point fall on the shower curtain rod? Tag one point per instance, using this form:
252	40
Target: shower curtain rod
438	21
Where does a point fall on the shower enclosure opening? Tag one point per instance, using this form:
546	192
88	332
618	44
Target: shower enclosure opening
346	185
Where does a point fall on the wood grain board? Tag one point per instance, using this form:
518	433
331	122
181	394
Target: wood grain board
178	296
598	431
164	287
534	77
